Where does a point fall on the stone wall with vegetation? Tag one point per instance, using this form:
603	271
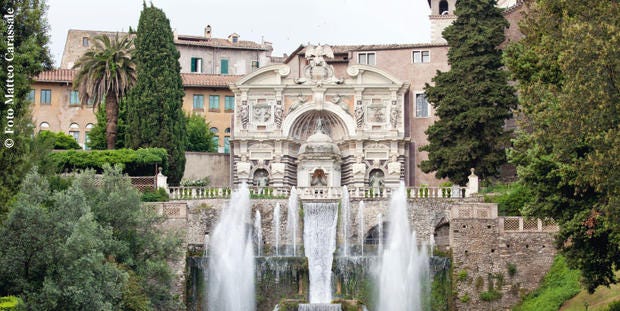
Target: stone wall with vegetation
494	269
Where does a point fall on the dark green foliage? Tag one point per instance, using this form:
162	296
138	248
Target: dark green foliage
97	135
60	140
199	137
106	72
30	57
510	198
559	284
159	195
473	99
89	247
614	306
490	295
155	117
441	291
569	156
141	162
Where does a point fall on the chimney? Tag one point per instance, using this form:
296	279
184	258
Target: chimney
208	32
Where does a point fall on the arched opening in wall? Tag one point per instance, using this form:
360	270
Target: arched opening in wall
443	8
44	126
441	234
318	178
376	234
261	178
306	125
376	179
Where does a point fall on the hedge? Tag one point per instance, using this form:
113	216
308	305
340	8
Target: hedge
140	162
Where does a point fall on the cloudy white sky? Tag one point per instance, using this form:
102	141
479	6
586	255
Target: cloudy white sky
285	23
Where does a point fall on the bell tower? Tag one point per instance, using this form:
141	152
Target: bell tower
442	15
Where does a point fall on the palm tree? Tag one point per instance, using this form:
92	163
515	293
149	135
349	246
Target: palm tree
106	71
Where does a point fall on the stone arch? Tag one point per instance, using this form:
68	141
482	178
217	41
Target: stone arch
301	123
260	177
372	236
441	234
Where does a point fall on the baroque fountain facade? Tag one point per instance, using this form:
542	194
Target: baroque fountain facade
319	219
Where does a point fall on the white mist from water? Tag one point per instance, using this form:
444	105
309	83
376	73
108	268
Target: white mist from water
276	228
231	264
320	221
292	222
345	206
258	232
360	226
404	273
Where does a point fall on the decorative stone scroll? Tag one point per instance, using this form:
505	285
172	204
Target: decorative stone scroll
244	114
394	115
278	114
359	114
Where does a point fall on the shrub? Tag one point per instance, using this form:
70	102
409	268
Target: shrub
204	182
614	306
159	195
510	198
465	298
512	269
10	303
462	276
490	295
140	162
59	140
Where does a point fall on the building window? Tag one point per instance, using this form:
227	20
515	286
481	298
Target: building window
199	102
85	41
30	96
443	7
229	103
421	106
46	97
89	127
196	65
226	144
44	126
227	130
366	58
74	99
255	64
224	66
74	130
421	57
214	103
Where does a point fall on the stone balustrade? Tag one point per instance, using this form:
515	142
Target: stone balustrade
330	193
523	224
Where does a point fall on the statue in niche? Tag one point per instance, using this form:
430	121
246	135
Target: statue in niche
244	114
277	115
359	114
375	179
394	115
261	178
300	101
319	179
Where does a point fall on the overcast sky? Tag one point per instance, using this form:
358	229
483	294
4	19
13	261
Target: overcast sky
285	23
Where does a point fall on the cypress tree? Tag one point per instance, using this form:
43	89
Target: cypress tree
154	112
472	99
23	42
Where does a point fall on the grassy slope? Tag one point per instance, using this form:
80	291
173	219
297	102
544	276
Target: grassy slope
559	285
597	301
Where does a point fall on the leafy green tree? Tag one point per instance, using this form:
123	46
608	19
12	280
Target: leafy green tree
24	46
97	135
106	72
59	140
199	137
155	117
568	153
472	99
90	246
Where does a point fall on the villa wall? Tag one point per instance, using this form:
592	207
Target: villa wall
216	166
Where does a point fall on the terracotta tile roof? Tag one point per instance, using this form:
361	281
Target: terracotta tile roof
209	80
189	79
56	75
219	43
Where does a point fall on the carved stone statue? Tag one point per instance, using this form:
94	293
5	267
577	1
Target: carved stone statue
394	115
300	101
278	114
376	179
318	70
337	100
359	114
244	114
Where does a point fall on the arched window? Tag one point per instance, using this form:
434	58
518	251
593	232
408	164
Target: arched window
89	126
74	130
44	126
443	7
227	130
214	130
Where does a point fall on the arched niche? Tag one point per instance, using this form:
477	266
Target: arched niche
303	124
